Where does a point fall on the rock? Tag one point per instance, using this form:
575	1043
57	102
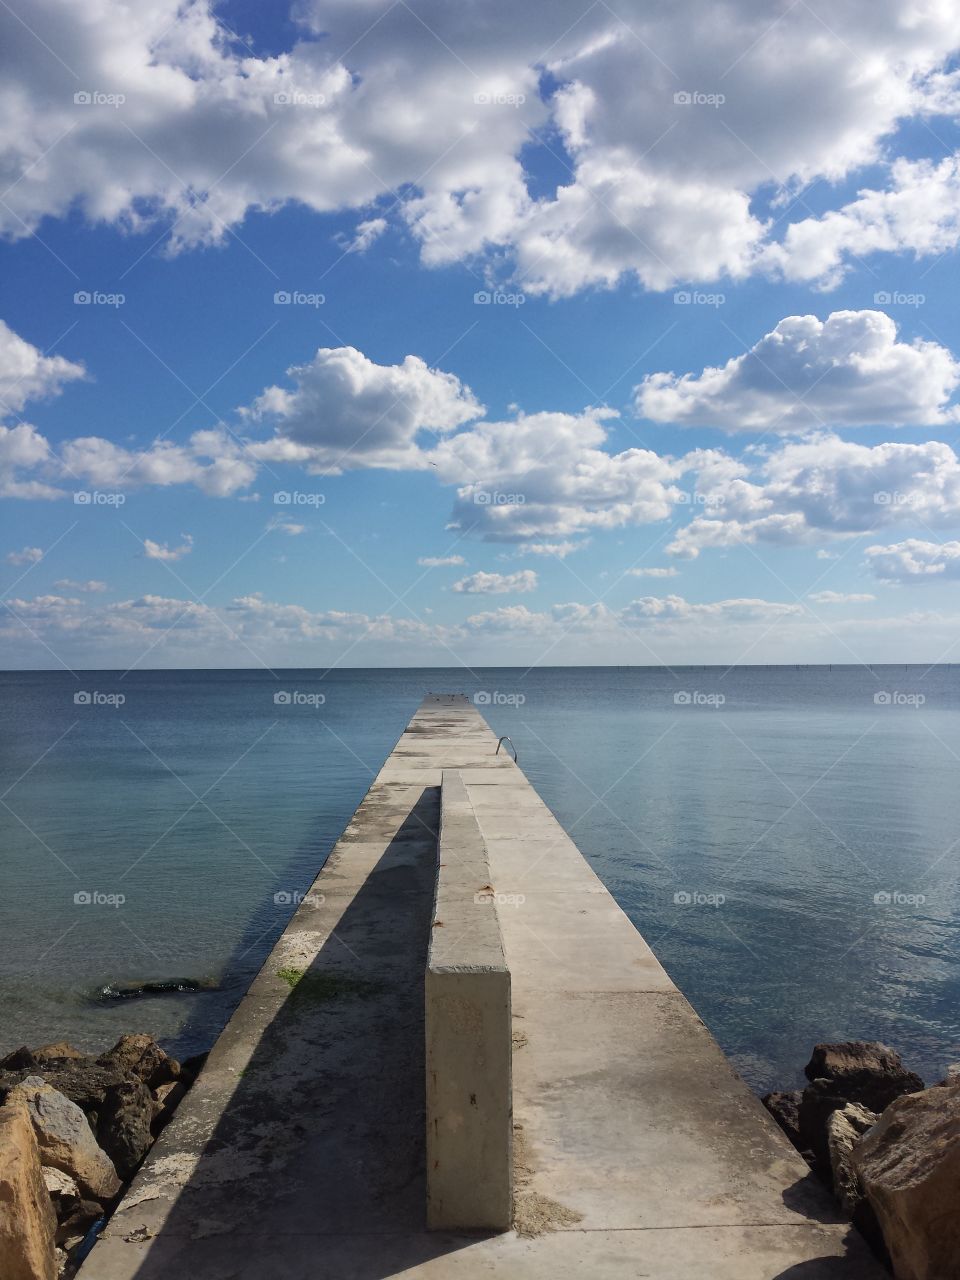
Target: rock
20	1060
953	1074
845	1128
863	1071
909	1165
818	1102
53	1052
191	1067
140	1055
61	1188
79	1222
65	1138
27	1219
124	1125
785	1108
166	1100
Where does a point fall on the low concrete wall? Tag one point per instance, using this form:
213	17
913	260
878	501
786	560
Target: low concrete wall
468	1034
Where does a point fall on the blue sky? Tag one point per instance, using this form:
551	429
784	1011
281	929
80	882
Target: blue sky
707	413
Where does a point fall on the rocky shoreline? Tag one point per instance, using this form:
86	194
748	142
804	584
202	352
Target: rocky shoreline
889	1149
74	1129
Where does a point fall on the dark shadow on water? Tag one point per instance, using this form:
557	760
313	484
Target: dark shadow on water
315	1168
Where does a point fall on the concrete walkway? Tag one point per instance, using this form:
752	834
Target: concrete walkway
298	1155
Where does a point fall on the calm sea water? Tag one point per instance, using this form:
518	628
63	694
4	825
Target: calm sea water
786	839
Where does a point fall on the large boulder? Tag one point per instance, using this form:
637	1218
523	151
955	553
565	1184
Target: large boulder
845	1128
27	1219
818	1102
863	1071
124	1124
909	1166
141	1056
54	1052
785	1109
65	1138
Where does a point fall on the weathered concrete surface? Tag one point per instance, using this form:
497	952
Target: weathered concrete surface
469	1034
299	1153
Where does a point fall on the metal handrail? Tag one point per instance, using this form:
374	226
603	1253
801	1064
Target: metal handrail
516	758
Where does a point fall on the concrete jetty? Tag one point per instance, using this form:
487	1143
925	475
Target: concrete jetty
300	1152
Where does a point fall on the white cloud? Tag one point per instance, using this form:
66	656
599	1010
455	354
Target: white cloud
215	461
439	562
496	584
366	233
26	555
161	551
370	99
670	572
91	585
848	370
27	374
289	527
346	411
840	597
805	490
915	561
558	549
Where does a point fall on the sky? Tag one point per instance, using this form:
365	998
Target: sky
396	334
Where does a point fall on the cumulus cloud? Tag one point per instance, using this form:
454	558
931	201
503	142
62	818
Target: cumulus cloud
840	597
27	374
915	561
848	370
346	411
161	551
26	555
806	490
182	123
496	584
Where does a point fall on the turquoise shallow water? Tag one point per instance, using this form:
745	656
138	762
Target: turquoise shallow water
786	839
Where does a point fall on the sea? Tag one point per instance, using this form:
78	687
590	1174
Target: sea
787	839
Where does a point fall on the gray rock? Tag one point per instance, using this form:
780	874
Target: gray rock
845	1128
863	1071
65	1139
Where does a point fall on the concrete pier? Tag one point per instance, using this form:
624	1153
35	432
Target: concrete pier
300	1152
